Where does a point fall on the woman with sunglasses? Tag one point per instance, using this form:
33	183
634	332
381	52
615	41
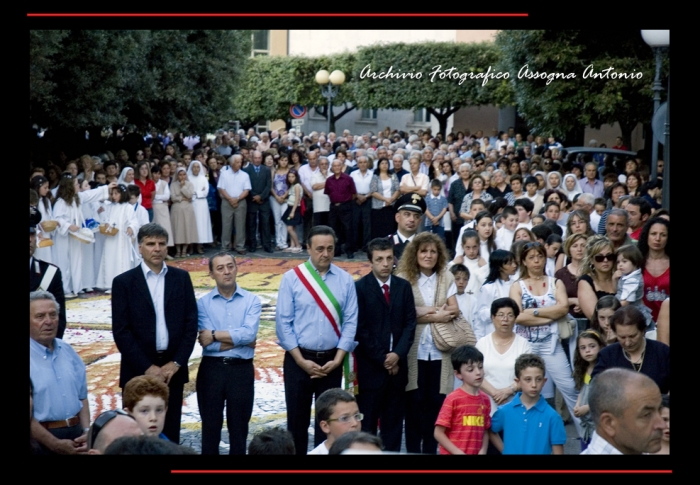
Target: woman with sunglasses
542	301
597	269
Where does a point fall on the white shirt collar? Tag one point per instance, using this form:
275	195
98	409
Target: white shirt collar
423	280
146	269
382	283
404	238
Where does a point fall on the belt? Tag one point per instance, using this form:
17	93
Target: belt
341	203
63	423
229	360
318	354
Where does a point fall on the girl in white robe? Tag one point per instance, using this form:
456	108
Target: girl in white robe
195	174
68	250
118	254
41	185
502	267
89	210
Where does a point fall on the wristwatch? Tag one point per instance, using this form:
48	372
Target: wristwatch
213	335
176	364
536	312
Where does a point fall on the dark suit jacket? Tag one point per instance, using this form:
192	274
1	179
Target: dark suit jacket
55	288
134	322
260	184
376	322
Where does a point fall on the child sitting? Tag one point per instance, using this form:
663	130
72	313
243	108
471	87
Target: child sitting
336	413
530	426
630	284
145	398
461	427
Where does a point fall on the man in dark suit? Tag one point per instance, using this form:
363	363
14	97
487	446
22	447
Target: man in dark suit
258	203
45	276
154	322
385	329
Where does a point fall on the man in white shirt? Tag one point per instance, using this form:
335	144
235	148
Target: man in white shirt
305	174
362	205
586	202
234	186
154	322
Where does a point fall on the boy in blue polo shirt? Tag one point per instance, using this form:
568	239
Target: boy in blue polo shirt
530	426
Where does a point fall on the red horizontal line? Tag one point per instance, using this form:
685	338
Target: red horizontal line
420	471
277	15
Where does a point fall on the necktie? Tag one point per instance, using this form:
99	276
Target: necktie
385	287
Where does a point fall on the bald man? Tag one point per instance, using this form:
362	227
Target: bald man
626	409
109	426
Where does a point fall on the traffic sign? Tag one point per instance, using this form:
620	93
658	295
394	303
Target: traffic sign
297	122
297	111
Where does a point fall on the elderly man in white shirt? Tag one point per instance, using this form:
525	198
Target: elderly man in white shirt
234	186
362	206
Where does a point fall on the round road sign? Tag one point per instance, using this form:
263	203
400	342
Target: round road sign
297	111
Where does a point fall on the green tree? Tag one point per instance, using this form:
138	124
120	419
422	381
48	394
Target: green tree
441	97
183	79
566	106
270	85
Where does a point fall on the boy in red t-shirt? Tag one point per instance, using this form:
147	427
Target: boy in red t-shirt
465	417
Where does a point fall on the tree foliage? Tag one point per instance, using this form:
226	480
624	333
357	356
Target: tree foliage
566	105
270	85
440	96
183	79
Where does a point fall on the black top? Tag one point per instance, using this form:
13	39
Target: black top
656	363
598	293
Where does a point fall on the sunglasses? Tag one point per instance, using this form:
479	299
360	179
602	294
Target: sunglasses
101	422
531	245
599	258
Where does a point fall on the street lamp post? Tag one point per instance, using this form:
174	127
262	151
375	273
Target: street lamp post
329	89
658	40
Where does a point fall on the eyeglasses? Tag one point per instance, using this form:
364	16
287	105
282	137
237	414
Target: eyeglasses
346	418
101	422
505	316
599	258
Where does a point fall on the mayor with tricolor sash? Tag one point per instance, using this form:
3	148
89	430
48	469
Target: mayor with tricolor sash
316	322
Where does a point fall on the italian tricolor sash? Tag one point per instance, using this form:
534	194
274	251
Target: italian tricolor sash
330	307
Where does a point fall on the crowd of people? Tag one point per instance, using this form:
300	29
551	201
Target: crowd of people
505	274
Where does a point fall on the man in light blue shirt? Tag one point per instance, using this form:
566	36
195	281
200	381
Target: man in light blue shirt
229	317
61	410
315	347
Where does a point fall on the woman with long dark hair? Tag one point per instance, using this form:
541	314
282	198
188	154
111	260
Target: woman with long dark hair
41	185
654	243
